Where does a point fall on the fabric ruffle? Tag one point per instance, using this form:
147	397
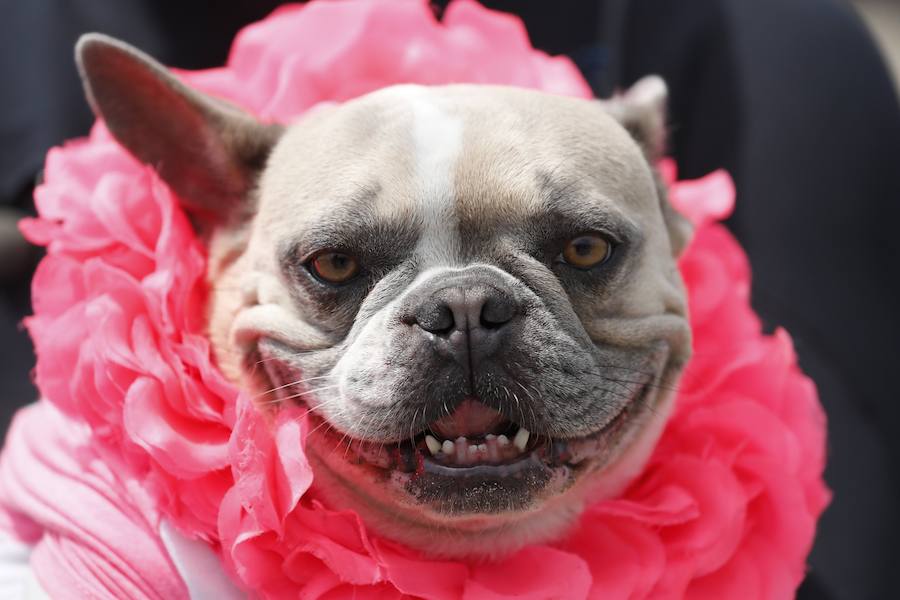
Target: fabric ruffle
726	507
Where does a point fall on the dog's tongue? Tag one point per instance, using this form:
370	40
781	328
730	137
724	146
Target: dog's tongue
471	418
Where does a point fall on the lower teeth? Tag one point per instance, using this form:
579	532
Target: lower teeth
492	449
489	450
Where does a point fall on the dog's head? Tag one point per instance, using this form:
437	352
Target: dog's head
473	288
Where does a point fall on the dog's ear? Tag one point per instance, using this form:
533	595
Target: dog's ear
641	110
208	151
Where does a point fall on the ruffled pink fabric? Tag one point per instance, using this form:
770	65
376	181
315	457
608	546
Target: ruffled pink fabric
726	507
95	529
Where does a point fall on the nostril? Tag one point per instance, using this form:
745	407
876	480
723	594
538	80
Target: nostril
497	312
435	318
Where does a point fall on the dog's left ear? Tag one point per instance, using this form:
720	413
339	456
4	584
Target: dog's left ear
208	151
641	110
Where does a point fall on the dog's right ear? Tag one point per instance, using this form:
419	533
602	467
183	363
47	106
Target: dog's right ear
208	151
641	110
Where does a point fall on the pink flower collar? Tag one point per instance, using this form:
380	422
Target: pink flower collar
726	508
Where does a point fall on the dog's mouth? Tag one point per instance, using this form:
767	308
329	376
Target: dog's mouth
477	461
474	461
476	439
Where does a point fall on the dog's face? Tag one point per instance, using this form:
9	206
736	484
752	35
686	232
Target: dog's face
473	288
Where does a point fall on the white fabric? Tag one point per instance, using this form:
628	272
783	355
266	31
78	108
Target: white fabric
17	580
198	566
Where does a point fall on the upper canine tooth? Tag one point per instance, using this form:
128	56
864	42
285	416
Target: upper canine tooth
521	439
434	446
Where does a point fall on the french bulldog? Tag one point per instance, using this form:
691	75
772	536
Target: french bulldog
473	289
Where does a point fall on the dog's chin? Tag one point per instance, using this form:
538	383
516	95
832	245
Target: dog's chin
492	497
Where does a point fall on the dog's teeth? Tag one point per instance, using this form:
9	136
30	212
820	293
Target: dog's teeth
493	449
521	439
434	446
461	447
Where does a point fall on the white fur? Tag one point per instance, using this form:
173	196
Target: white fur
437	136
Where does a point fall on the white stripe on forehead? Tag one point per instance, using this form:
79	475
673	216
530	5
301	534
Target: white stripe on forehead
437	137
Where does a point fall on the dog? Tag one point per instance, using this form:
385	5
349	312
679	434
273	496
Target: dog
472	288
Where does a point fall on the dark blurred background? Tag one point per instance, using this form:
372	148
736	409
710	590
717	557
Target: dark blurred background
794	97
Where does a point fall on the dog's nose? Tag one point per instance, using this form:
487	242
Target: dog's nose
463	309
469	321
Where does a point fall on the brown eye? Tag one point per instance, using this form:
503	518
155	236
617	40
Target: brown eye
586	251
334	267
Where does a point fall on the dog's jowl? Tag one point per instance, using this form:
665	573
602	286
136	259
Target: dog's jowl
473	288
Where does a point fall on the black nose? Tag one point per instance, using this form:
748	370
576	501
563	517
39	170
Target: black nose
461	309
466	320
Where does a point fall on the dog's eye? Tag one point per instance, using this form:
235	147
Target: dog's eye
334	267
586	251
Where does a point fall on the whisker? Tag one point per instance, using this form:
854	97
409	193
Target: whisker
298	382
299	394
324	423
